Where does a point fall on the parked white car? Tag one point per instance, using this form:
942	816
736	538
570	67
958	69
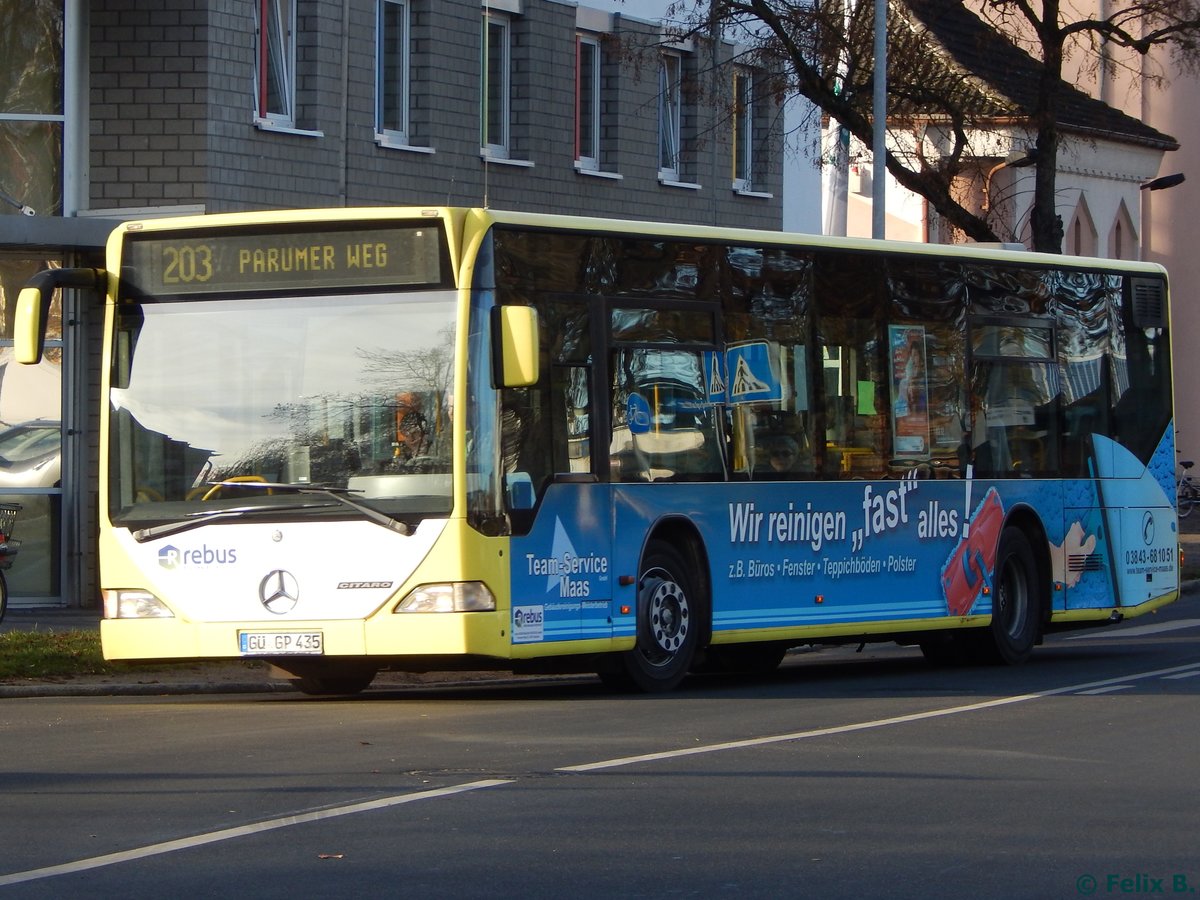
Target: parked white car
31	455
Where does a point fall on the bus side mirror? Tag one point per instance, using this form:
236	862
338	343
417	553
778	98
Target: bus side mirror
33	307
29	326
517	346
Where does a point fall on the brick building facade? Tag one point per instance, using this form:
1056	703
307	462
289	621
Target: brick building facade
186	106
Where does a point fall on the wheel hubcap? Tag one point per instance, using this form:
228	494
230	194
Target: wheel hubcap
1011	601
668	615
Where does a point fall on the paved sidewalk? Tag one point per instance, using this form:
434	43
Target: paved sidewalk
50	619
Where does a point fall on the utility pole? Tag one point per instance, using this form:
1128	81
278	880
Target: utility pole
879	126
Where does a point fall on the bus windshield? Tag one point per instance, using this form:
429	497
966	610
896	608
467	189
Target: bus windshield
214	401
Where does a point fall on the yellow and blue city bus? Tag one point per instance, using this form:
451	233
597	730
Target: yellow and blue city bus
352	440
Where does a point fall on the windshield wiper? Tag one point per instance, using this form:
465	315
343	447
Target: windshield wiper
195	520
334	493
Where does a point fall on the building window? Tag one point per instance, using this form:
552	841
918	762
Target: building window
496	73
587	102
743	130
670	96
1081	234
1123	242
275	62
32	116
31	413
391	83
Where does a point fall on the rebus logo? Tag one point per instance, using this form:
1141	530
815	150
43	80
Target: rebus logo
174	558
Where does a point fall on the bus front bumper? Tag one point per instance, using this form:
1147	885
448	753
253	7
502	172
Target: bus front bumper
389	635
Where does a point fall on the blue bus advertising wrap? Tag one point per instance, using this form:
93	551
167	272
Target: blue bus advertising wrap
846	553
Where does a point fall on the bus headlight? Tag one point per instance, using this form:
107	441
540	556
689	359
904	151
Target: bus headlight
123	603
457	596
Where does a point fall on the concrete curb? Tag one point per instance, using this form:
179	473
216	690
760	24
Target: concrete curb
141	690
165	689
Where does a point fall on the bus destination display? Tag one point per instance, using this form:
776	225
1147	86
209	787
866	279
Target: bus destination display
241	262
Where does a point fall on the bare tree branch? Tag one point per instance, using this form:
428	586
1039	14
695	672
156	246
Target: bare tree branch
822	51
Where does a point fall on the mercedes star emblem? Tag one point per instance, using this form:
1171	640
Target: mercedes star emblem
279	591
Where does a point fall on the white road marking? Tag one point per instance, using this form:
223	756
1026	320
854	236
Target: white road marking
1111	689
875	723
1136	630
226	834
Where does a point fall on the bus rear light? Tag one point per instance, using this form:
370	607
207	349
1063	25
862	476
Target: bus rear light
133	604
456	596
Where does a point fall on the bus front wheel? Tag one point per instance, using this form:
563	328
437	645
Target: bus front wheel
668	623
332	681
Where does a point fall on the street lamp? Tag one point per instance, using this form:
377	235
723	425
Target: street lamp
1016	159
1164	182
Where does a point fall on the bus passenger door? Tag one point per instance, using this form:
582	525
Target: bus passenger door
562	541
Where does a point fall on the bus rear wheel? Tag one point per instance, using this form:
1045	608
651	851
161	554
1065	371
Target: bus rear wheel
745	659
668	624
1016	601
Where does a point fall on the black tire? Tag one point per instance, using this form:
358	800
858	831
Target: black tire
745	659
335	682
1187	500
1016	601
668	627
946	649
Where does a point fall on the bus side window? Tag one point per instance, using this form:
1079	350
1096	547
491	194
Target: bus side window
525	460
1014	432
855	409
571	419
663	426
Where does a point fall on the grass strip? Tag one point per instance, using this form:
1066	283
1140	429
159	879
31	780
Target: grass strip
51	654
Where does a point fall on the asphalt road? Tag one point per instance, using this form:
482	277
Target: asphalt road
844	775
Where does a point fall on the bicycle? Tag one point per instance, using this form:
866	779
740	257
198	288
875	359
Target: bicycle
8	548
1187	492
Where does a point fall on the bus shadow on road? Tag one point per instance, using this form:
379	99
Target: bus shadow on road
877	670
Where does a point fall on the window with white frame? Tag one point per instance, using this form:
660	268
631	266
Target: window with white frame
496	73
392	68
275	62
670	97
743	130
587	102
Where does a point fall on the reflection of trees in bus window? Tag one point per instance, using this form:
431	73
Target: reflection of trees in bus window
672	325
571	418
1082	307
991	289
1142	394
667	269
529	263
926	292
420	382
564	330
772	285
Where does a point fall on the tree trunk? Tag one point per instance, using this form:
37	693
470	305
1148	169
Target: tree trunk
1044	222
